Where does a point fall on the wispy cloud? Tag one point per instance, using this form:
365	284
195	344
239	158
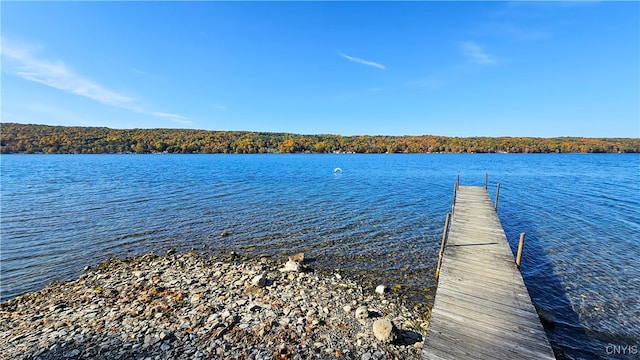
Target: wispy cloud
56	74
513	32
476	53
529	10
173	117
364	62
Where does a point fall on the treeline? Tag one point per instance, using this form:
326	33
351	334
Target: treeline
21	138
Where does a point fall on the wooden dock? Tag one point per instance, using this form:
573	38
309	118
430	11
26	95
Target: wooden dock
482	309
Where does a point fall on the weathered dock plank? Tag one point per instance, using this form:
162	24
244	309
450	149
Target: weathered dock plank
482	308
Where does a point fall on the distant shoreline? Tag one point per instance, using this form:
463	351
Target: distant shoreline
35	139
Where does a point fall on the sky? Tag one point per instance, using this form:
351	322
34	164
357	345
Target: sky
539	69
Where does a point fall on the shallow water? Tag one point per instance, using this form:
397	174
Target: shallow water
380	217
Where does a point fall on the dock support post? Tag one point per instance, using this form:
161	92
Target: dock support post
455	192
497	197
486	181
443	244
519	254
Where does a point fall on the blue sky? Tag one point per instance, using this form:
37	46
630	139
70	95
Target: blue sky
352	68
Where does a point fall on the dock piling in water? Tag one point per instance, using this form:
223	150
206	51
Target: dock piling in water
443	244
520	247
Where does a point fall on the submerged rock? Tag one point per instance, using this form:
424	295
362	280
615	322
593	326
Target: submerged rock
299	257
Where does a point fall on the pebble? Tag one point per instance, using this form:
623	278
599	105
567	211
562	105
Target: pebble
166	335
187	306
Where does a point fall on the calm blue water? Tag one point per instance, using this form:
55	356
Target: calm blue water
383	215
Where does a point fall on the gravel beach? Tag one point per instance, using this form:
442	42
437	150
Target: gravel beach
187	306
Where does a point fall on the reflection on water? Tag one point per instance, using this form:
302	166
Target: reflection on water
378	217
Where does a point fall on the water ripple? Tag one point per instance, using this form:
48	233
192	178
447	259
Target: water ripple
382	218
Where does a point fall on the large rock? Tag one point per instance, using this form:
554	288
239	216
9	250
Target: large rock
295	263
291	266
382	289
383	330
260	280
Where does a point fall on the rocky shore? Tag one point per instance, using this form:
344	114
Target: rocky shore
186	306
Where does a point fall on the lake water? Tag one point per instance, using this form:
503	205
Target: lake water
380	218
